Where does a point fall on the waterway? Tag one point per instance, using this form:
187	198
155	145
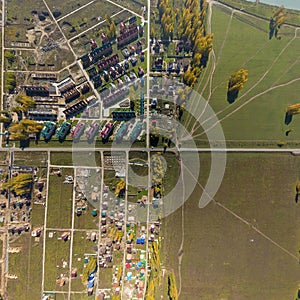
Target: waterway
294	4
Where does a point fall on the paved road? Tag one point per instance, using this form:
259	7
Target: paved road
126	149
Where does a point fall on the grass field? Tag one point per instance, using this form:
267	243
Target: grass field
57	251
27	265
86	220
60	201
89	159
258	114
224	257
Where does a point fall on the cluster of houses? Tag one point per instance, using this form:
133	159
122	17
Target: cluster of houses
50	99
129	32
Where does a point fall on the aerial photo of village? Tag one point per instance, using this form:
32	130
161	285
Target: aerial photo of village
150	149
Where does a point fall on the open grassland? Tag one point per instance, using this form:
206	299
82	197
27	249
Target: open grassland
258	114
60	201
19	18
27	265
245	245
86	18
57	252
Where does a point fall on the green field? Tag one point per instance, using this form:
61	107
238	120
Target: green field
257	116
224	257
60	201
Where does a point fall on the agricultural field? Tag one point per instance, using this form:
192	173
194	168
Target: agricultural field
60	201
57	258
238	246
81	246
27	266
35	159
257	117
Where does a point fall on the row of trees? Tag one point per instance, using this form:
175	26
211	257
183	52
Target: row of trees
172	289
192	30
155	273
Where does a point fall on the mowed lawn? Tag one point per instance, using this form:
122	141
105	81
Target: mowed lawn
226	258
60	197
259	113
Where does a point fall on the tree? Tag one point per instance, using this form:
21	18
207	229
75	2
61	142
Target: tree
111	31
152	33
20	131
20	185
235	84
9	56
189	78
9	82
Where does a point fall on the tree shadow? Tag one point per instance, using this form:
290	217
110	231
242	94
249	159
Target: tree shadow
288	118
232	95
24	144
